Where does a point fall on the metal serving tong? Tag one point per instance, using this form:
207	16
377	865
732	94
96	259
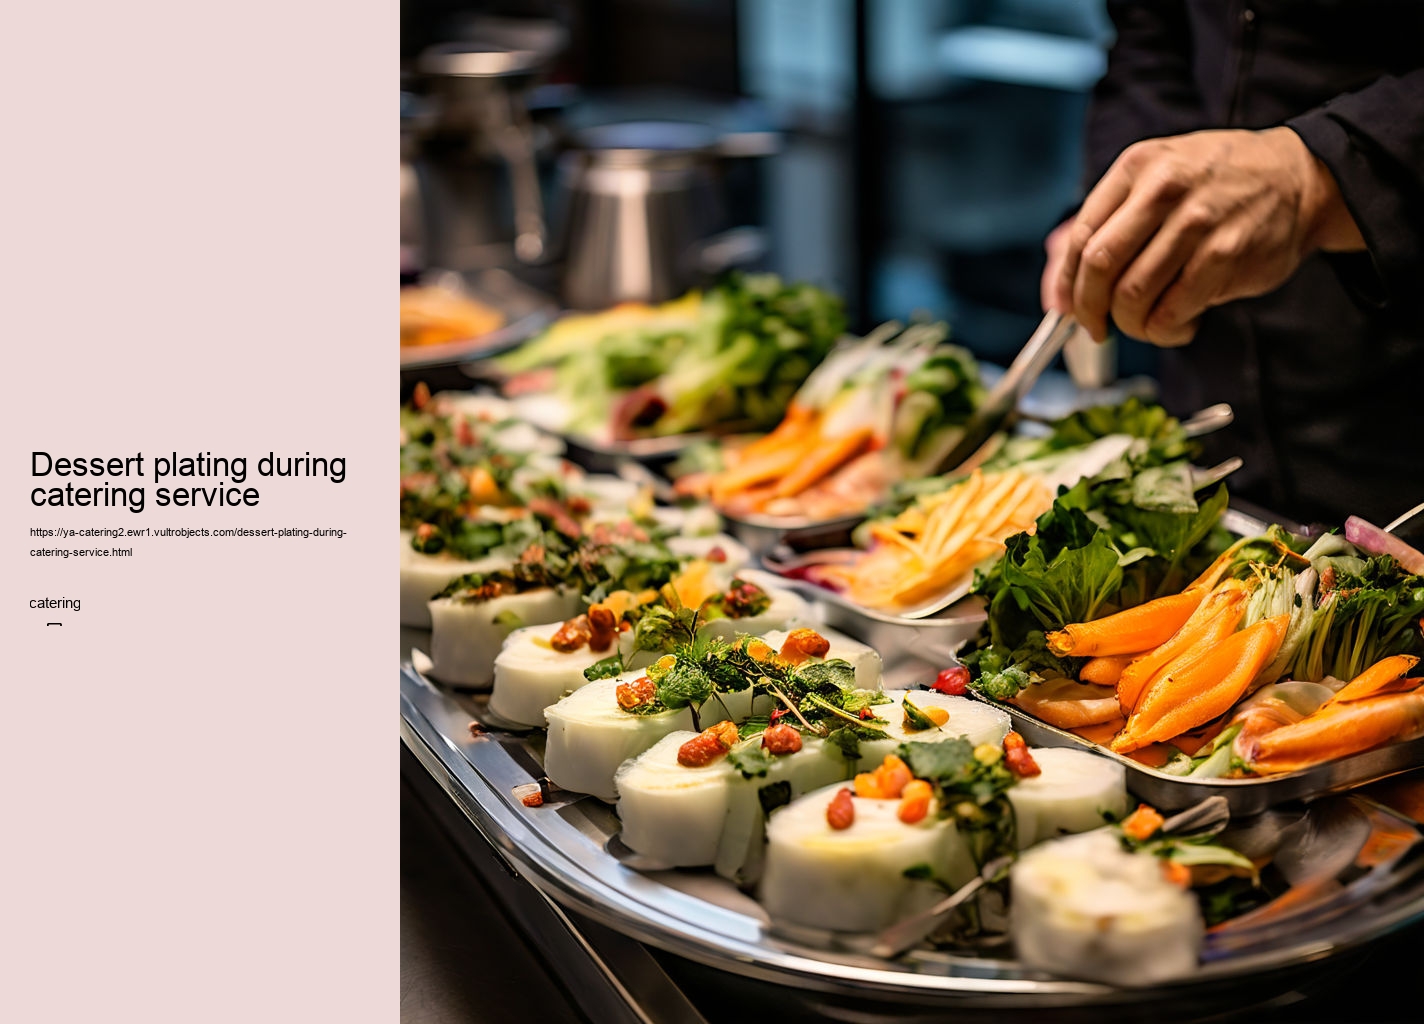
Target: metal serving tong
1000	408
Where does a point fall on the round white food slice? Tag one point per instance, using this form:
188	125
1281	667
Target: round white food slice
467	635
609	494
672	813
786	606
1084	907
529	674
735	552
975	721
741	853
853	879
865	660
1072	792
590	736
423	576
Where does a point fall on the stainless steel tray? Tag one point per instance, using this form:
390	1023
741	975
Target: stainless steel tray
913	650
526	312
562	848
1246	796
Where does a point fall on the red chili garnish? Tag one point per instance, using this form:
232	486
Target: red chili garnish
866	714
778	715
840	812
952	681
717	555
781	739
1017	758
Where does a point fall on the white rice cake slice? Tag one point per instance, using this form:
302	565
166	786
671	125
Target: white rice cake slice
529	674
671	813
590	736
465	636
853	879
423	576
1071	793
865	660
975	721
1084	907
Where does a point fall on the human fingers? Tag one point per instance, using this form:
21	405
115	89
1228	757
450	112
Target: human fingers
1159	263
1205	281
1107	195
1054	245
1112	250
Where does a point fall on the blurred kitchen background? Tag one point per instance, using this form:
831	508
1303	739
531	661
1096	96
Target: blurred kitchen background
911	155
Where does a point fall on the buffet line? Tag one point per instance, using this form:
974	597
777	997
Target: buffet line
801	690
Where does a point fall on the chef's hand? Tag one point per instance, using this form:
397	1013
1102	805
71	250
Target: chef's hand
1181	224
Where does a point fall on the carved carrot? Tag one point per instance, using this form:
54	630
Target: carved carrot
1214	620
1194	694
1338	730
1374	679
1106	669
1132	629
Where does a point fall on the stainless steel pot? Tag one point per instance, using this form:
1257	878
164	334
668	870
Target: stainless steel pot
643	208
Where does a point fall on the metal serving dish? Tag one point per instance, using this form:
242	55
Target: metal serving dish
1245	796
563	849
526	312
607	456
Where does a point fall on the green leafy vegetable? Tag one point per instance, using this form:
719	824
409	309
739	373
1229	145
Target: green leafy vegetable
774	795
970	790
751	759
604	668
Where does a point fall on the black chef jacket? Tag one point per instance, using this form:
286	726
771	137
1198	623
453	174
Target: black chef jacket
1327	372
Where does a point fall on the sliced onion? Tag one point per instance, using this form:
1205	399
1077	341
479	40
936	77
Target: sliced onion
1369	537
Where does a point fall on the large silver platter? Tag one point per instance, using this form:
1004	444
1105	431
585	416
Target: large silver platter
563	849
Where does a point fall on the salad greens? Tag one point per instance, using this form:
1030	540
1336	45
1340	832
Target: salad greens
970	786
816	696
1111	541
734	355
596	563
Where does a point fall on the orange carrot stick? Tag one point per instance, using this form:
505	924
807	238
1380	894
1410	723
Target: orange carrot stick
1375	678
1214	620
1106	669
751	472
1208	579
823	459
798	421
1132	629
1338	730
1205	687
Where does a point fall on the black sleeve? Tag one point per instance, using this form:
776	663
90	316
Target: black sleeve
1147	91
1372	142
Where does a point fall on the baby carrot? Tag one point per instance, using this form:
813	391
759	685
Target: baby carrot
751	472
1214	619
1208	579
1337	730
1106	669
1132	629
1203	688
822	459
1375	678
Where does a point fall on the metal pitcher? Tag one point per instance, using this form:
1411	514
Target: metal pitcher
643	207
